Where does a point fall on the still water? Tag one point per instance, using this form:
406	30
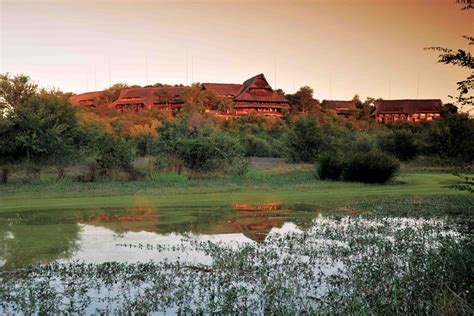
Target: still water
257	258
101	235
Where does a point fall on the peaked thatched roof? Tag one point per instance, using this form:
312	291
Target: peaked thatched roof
247	92
223	89
334	105
88	98
408	106
150	96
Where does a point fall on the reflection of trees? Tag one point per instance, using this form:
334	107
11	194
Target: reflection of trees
36	237
253	220
166	220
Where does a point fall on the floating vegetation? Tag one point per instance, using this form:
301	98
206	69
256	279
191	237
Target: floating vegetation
341	264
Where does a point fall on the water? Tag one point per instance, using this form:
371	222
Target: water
256	258
95	235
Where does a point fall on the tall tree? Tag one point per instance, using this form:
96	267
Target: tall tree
303	101
461	58
111	94
15	91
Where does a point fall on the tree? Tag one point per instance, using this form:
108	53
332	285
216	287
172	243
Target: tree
200	150
111	94
449	109
366	108
198	100
45	127
304	142
452	138
303	101
15	91
399	143
113	152
225	105
463	59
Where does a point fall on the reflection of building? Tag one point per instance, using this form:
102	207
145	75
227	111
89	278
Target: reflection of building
256	221
135	219
388	111
341	108
253	221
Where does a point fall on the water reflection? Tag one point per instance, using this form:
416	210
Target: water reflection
93	234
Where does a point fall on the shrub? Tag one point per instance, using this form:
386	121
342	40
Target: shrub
90	173
255	146
452	138
399	143
304	141
198	149
330	167
4	173
113	153
370	167
208	152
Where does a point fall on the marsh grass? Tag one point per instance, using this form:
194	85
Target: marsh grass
340	265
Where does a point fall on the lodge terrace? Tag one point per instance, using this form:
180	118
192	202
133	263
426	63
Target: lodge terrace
255	95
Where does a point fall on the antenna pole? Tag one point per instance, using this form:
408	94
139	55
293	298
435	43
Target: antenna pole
275	73
95	78
192	69
110	82
146	70
330	87
390	88
187	67
418	87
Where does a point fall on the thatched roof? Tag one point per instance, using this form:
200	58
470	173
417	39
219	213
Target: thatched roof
408	106
87	99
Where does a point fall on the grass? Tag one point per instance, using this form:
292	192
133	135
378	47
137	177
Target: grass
168	190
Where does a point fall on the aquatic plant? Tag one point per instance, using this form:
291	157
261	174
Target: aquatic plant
341	264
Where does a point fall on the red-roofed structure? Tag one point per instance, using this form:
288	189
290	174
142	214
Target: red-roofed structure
388	111
255	95
341	108
87	99
164	98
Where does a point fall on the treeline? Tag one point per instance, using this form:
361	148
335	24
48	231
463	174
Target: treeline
40	128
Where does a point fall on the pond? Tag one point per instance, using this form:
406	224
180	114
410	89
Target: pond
258	258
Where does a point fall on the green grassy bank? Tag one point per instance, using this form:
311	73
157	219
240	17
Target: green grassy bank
258	186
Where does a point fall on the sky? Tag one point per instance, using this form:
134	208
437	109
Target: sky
338	47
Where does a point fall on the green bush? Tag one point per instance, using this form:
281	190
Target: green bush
452	138
197	149
400	143
370	167
113	153
305	141
330	166
255	146
208	152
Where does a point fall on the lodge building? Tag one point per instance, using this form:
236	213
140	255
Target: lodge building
254	95
388	111
91	99
162	98
340	108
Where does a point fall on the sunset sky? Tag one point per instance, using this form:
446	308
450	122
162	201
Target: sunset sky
340	48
